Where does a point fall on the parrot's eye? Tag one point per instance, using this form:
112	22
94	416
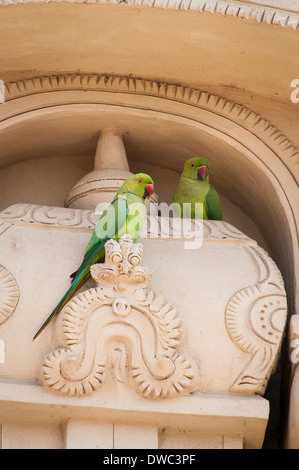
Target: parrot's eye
139	181
192	165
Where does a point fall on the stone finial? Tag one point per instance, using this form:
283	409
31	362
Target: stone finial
111	169
111	152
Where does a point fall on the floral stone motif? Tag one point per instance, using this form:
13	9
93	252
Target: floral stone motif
255	319
9	294
123	324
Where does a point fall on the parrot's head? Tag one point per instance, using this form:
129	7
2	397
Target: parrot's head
197	169
140	184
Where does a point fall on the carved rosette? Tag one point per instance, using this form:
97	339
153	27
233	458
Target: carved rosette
255	319
9	294
123	325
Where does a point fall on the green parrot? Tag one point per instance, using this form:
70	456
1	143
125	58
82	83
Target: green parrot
125	214
194	187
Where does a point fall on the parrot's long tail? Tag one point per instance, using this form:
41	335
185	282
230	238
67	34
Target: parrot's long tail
76	284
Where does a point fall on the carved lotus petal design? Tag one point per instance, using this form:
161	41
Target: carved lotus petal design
9	294
122	265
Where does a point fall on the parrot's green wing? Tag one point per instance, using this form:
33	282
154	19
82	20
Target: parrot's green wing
111	222
213	205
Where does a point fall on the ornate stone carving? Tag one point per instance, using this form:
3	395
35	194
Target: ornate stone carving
9	294
85	220
23	213
124	325
241	10
237	113
255	318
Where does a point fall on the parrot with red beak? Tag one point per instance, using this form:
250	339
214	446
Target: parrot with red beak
125	214
194	187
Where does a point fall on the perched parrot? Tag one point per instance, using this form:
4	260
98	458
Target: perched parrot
194	187
125	214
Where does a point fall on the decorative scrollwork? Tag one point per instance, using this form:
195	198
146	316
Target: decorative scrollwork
85	220
120	319
255	318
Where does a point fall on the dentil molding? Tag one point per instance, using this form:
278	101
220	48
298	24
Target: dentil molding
242	116
237	9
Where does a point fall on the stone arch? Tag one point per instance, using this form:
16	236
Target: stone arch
259	13
255	164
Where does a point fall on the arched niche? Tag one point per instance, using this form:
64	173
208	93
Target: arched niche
252	163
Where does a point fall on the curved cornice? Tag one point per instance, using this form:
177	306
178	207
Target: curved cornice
235	112
241	10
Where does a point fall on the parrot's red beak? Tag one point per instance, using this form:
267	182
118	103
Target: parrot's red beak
149	190
202	173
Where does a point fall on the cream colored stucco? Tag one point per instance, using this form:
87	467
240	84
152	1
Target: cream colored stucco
171	80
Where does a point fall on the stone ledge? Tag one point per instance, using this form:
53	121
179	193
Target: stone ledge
205	413
36	216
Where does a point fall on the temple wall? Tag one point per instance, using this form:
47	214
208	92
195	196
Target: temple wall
78	114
